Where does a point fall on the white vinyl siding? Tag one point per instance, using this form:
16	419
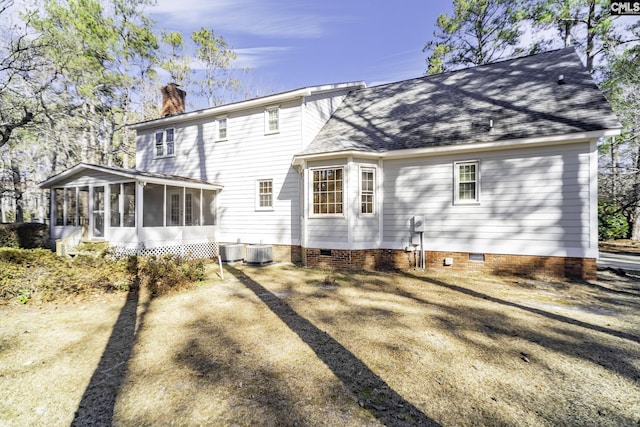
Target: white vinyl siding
351	229
318	108
245	157
237	164
545	211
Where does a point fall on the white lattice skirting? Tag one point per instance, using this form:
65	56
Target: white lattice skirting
184	249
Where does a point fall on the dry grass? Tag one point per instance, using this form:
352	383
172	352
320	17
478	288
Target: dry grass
283	346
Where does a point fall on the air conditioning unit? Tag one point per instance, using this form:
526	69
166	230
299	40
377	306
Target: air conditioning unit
233	252
259	254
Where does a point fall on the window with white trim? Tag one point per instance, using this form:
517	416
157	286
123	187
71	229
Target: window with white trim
272	120
466	182
367	191
264	194
159	143
327	191
221	131
165	144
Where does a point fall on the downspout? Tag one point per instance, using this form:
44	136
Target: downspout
380	202
304	204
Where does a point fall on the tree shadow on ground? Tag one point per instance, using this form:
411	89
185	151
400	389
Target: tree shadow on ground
372	392
98	401
553	316
576	342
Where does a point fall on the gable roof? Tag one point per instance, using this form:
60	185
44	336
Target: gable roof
539	95
133	174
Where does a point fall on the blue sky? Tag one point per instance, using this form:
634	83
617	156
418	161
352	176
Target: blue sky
296	43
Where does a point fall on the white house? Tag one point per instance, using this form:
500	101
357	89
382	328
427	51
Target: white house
489	168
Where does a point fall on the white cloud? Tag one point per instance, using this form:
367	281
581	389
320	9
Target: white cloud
255	57
257	17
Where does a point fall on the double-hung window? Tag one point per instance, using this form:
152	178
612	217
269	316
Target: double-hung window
160	143
169	142
466	182
264	194
327	191
165	144
367	191
221	131
272	120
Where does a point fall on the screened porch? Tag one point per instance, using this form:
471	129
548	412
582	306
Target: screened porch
130	209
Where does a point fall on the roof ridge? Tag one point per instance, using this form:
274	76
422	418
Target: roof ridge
473	67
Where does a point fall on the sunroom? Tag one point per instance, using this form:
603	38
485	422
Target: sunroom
135	212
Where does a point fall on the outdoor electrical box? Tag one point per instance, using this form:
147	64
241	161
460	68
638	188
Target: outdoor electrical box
418	224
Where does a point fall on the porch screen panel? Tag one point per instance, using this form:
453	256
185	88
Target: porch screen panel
192	208
153	205
59	205
71	206
197	202
129	204
208	207
188	209
174	206
83	206
114	204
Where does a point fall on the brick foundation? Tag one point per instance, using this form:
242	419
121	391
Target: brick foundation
387	259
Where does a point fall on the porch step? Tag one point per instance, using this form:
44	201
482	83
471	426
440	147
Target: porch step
90	248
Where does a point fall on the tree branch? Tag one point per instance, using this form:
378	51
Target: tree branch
6	129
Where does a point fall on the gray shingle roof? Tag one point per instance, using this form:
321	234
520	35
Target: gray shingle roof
521	97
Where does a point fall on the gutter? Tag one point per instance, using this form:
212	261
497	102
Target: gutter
242	105
541	141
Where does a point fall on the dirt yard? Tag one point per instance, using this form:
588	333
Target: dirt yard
280	345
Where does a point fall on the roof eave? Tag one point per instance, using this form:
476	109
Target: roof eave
49	182
241	105
461	148
168	181
134	175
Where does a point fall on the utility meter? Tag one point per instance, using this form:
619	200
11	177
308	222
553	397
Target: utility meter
418	224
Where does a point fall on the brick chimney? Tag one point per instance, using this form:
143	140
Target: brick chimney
172	100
